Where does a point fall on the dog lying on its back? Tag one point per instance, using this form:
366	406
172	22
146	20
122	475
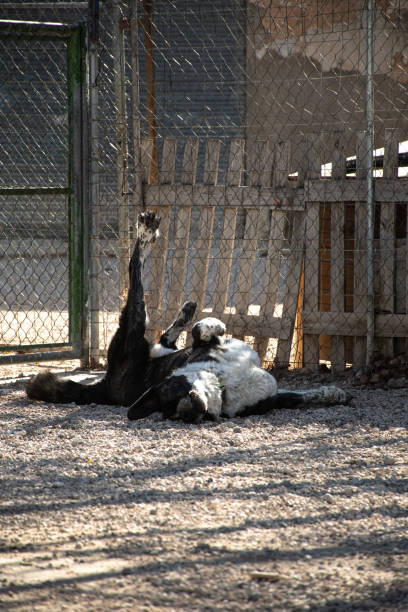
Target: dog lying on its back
214	377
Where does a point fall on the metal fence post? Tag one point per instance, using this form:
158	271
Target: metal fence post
370	178
94	260
137	161
121	148
77	280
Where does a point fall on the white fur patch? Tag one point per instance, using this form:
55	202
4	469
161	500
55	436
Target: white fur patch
209	327
146	235
158	350
234	369
240	372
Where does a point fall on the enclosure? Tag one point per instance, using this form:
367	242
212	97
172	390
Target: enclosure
270	136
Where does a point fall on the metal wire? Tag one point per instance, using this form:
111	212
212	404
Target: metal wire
248	125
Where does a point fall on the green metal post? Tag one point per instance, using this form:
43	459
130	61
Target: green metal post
77	280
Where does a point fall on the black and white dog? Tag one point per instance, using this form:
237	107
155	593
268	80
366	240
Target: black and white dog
215	377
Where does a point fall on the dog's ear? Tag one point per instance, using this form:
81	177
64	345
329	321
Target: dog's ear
145	405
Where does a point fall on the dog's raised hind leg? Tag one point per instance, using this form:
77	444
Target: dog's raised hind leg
132	322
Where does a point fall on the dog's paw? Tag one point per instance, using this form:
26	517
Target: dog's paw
327	396
147	227
188	311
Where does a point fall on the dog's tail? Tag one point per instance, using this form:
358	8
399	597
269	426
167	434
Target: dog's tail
47	387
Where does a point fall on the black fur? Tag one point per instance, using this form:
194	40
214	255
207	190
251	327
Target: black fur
130	370
135	379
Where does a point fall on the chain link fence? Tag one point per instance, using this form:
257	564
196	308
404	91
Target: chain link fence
270	136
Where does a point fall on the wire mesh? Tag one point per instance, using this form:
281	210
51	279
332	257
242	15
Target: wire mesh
33	220
253	137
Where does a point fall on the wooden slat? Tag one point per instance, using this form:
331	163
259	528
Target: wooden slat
353	189
386	326
386	265
225	260
360	277
178	268
293	279
311	273
361	162
260	174
247	197
281	165
146	150
260	164
159	254
390	164
237	324
247	261
236	162
338	356
311	295
212	158
202	255
385	271
276	243
339	157
158	271
168	166
188	175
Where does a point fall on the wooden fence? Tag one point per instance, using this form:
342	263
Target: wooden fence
302	246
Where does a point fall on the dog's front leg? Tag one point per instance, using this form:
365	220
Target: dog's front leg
169	338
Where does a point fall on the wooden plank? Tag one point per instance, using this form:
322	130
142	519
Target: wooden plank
352	190
178	267
339	157
311	267
361	161
386	326
146	151
260	164
324	274
247	261
281	165
290	301
276	243
385	271
297	347
212	159
248	197
159	255
329	322
338	355
189	171
236	161
237	324
202	255
168	165
391	144
261	175
311	292
225	260
360	278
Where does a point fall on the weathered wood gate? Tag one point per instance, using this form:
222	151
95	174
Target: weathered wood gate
272	223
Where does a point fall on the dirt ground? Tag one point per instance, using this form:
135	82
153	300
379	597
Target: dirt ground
295	510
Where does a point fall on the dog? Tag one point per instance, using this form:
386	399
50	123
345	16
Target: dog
214	377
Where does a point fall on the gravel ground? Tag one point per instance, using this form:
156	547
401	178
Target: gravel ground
295	510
